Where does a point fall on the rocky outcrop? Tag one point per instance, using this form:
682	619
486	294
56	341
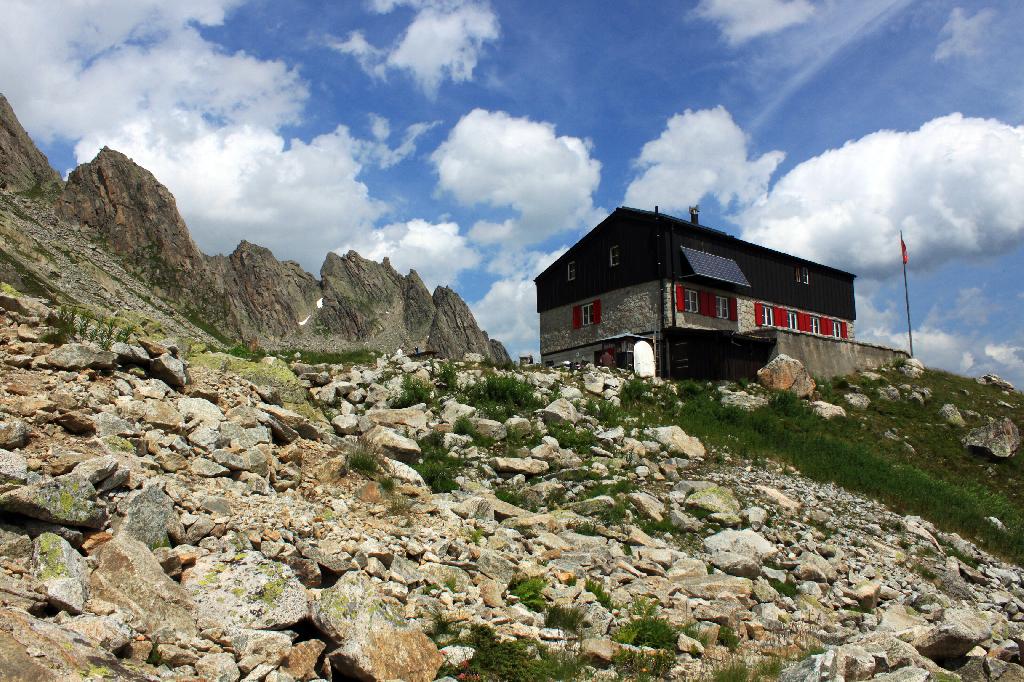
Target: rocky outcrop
784	373
252	296
22	166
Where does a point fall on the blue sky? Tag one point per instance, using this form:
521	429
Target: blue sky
473	141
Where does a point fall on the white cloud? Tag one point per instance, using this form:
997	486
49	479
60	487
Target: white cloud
435	250
508	311
232	182
494	159
963	35
380	154
444	41
142	57
1006	354
699	153
742	20
955	187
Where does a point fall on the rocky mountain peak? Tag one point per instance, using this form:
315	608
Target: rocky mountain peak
124	205
22	165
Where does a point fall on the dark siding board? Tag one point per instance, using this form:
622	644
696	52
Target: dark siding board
637	245
830	291
771	278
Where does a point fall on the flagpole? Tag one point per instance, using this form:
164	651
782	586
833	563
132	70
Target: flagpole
906	292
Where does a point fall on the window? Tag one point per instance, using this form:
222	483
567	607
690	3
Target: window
692	301
613	256
571	273
767	316
800	274
791	319
722	307
837	328
815	325
588	314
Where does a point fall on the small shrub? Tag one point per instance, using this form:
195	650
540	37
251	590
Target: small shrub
501	397
728	638
528	591
597	589
513	496
644	664
448	376
647	628
464	427
387	484
783	588
364	462
635	391
414	391
567	618
572	438
735	670
513	661
437	467
615	515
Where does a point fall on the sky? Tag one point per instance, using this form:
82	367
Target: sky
475	141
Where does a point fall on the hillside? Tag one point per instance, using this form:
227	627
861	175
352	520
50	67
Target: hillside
112	239
184	514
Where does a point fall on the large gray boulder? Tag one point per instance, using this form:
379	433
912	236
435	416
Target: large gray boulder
384	441
130	577
79	356
784	373
999	438
69	500
148	516
246	590
677	441
372	639
959	631
560	410
61	570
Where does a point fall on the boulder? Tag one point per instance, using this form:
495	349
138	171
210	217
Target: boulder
200	410
815	568
148	516
79	356
959	631
999	438
62	571
246	590
69	500
951	415
453	409
827	410
784	373
384	441
718	501
372	639
527	466
170	370
560	410
857	401
676	441
402	472
13	470
997	381
411	417
13	435
130	577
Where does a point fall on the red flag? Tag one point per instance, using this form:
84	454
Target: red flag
903	245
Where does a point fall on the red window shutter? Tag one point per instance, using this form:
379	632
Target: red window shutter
597	311
758	313
680	298
842	329
802	322
710	305
577	317
780	316
826	326
732	310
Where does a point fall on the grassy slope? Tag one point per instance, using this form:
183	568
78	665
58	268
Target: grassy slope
939	480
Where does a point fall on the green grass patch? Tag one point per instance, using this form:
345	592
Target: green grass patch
413	392
569	619
572	438
597	589
647	629
517	660
364	462
436	466
500	397
528	591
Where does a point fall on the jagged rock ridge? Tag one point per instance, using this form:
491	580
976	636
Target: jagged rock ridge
22	166
248	295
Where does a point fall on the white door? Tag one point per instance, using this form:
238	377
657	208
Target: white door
643	359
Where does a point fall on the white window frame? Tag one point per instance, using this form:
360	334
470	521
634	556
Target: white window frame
805	275
792	319
570	273
722	307
815	324
613	256
586	314
767	316
837	329
691	301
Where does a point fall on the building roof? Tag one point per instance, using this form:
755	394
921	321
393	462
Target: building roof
651	216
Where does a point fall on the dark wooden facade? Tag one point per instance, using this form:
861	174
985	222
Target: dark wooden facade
649	249
709	354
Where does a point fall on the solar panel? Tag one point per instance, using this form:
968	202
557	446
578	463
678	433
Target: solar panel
716	267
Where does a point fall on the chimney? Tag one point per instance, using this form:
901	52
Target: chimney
655	210
694	211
